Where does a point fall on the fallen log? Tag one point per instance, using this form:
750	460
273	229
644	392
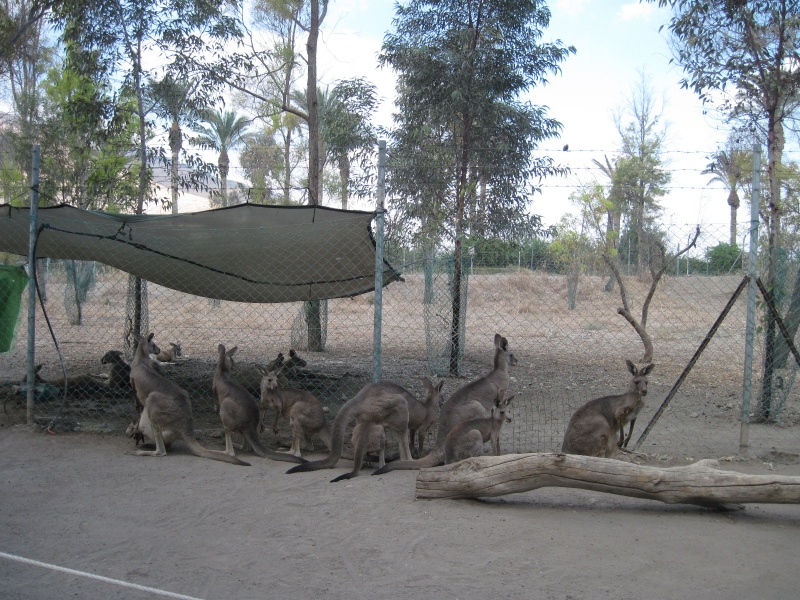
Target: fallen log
702	483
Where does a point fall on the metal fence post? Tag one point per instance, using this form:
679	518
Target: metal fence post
750	325
379	213
33	226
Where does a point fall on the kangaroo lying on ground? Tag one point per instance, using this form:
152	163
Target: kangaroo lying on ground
238	410
168	406
170	354
423	415
303	409
373	438
119	376
468	437
472	401
380	403
597	427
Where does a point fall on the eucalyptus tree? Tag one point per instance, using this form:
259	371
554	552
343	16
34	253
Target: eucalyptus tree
27	51
113	37
641	177
464	68
287	18
224	131
742	58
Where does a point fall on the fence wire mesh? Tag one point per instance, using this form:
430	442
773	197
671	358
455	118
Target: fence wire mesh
564	328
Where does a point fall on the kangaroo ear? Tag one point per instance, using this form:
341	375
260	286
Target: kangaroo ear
631	367
232	351
440	386
508	401
150	337
647	369
221	349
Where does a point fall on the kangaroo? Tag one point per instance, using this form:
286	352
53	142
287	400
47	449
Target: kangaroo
119	376
468	437
168	406
142	429
303	409
374	440
597	427
170	354
471	401
381	403
423	415
238	410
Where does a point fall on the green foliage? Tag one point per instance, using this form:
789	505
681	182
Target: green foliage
461	157
724	259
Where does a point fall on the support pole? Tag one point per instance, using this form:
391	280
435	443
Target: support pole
379	215
750	323
32	233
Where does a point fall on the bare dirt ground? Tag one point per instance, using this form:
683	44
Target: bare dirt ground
206	529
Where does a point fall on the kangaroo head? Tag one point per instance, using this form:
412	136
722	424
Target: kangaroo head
295	361
501	411
433	392
638	383
148	345
503	357
270	380
111	356
276	364
176	347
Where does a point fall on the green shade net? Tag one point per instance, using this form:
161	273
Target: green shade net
12	282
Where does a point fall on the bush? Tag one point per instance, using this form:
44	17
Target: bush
724	258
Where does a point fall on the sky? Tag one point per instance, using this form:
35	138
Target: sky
615	41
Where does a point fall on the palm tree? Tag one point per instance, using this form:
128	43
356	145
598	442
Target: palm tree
172	102
225	131
344	124
729	168
346	130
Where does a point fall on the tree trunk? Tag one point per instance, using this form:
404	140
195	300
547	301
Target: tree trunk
175	144
313	316
702	483
224	166
774	157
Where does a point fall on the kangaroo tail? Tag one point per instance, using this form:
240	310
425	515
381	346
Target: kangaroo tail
264	452
434	458
198	450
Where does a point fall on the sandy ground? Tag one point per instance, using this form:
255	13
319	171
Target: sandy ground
206	529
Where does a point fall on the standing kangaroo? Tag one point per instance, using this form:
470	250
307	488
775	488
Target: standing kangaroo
597	427
468	437
423	415
381	403
471	401
167	405
303	409
238	410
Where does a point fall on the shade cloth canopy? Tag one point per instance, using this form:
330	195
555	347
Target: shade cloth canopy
243	253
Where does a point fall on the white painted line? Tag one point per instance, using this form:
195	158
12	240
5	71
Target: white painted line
134	586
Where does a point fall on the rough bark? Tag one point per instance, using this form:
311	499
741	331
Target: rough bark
702	483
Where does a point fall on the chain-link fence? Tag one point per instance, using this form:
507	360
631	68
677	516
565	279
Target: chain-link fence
562	324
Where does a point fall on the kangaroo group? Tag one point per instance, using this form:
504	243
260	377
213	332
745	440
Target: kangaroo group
472	416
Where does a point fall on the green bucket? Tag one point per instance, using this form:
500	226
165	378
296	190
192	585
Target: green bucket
12	283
